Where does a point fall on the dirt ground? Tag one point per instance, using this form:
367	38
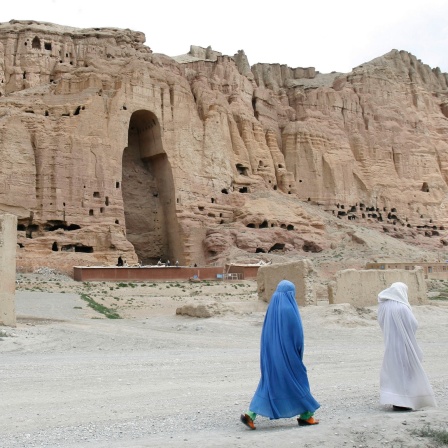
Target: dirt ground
70	377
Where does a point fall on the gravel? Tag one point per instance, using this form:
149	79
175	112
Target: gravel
70	378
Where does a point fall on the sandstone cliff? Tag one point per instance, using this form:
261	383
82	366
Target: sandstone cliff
108	148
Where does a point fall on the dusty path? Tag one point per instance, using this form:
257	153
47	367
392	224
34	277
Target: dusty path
69	378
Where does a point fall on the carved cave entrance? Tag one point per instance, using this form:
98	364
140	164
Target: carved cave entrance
148	192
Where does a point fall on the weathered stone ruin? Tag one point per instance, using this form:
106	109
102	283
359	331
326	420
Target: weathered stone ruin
360	288
301	273
8	242
110	149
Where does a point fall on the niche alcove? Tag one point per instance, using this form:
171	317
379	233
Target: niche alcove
148	192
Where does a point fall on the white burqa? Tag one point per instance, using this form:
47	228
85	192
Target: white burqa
403	382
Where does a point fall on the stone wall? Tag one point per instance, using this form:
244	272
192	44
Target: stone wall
8	242
361	288
300	273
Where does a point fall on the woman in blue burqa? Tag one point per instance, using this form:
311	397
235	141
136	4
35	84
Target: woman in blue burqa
283	390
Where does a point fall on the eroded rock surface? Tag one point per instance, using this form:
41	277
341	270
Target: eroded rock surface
110	149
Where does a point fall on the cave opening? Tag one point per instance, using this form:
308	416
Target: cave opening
241	169
277	247
148	192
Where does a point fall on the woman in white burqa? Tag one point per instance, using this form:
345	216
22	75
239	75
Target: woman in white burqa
403	382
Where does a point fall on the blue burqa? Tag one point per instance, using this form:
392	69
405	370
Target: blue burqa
283	390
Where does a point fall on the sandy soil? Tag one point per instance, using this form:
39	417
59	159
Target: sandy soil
70	377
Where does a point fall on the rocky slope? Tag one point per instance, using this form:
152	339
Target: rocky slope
108	148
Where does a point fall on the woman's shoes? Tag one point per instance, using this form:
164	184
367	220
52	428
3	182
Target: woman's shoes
309	422
401	408
247	421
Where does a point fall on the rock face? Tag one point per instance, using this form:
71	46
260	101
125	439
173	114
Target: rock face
109	149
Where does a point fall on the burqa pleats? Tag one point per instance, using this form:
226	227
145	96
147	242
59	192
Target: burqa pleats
283	390
403	382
